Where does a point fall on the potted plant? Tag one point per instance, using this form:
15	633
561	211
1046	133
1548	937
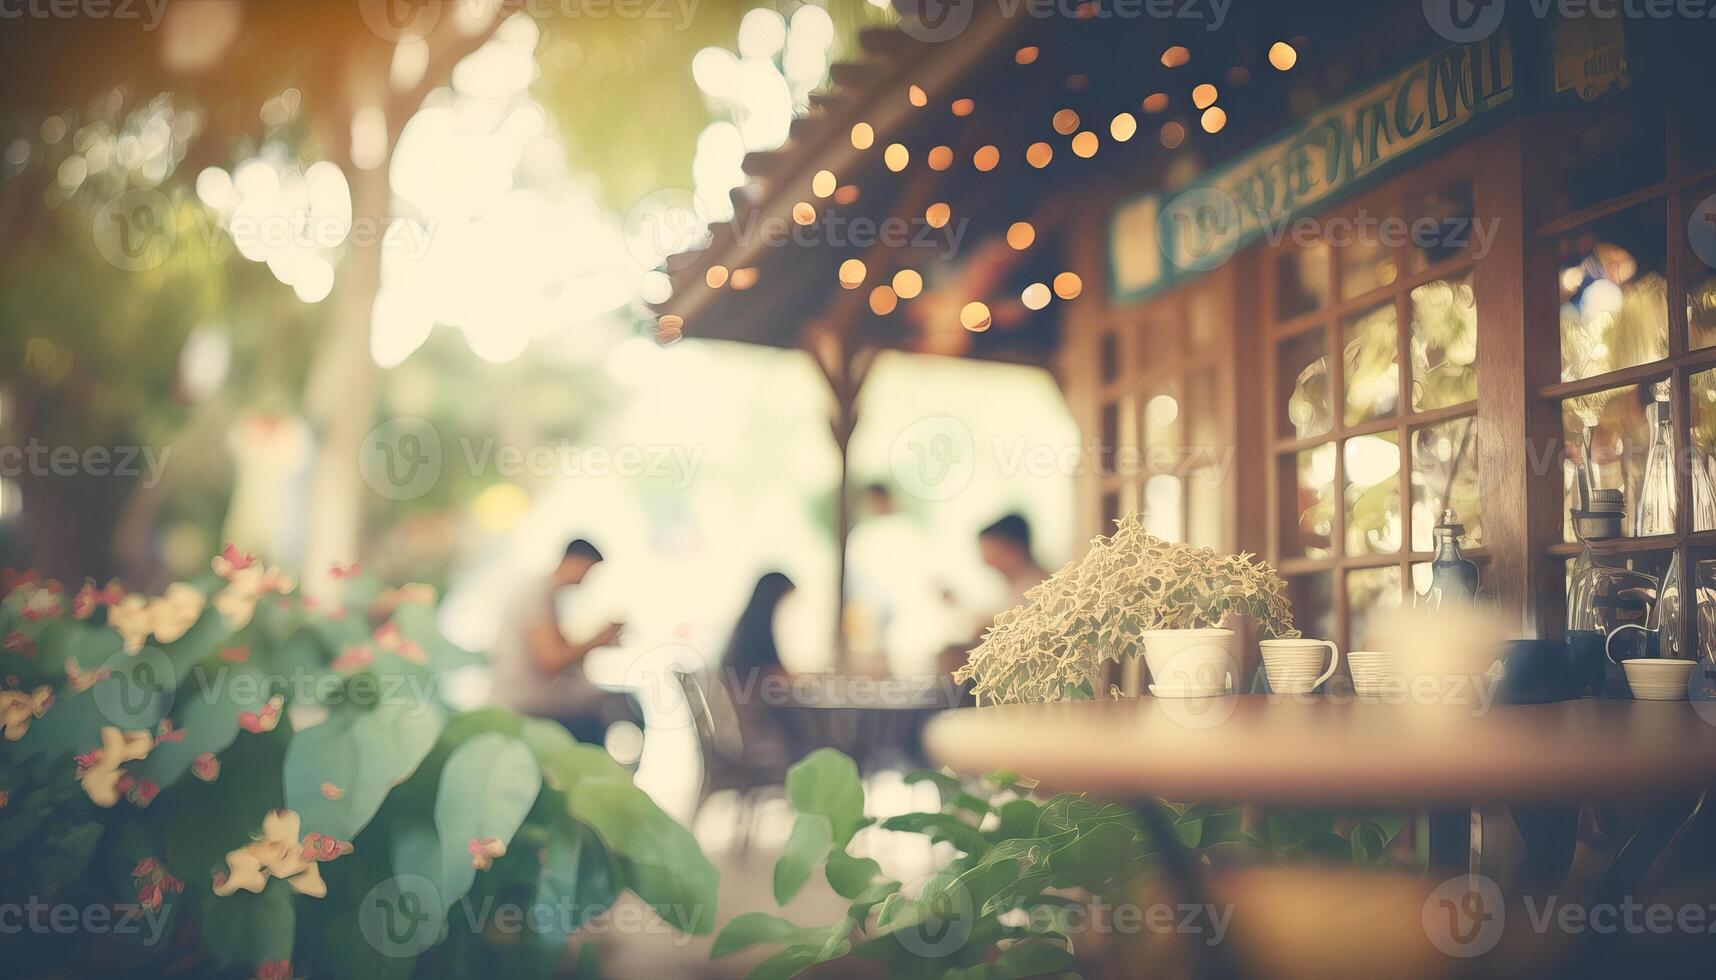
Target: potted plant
1131	591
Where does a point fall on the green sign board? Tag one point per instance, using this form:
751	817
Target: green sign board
1162	238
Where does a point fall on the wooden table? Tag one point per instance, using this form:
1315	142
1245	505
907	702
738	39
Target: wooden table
1320	752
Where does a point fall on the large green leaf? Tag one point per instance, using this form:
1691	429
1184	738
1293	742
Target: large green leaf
486	789
826	782
806	847
338	773
659	859
205	719
244	929
752	928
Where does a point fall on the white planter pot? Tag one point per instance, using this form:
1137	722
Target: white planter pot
1202	658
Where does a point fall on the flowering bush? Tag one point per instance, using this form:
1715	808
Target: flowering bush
240	778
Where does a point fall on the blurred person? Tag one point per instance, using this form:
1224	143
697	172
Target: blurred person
894	607
1006	547
751	658
537	671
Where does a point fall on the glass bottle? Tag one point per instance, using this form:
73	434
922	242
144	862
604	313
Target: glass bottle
1655	513
1453	577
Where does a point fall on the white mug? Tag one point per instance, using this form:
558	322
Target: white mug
1280	647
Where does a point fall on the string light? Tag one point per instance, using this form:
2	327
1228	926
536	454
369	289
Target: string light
1026	55
917	96
940	157
744	278
896	156
908	284
1215	117
669	328
974	317
1156	102
1173	134
823	184
1282	56
803	213
1039	154
937	214
883	300
1068	285
1123	127
1084	144
852	273
862	136
1065	122
716	277
1176	56
1204	95
1035	296
963	107
986	158
1020	235
846	195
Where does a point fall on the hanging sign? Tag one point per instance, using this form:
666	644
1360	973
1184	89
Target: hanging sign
1163	238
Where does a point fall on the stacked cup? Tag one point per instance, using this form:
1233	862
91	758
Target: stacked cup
1296	666
1373	673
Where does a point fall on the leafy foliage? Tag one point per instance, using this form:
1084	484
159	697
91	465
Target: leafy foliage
301	756
1001	907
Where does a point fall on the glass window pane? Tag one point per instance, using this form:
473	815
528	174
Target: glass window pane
1163	507
1308	516
1614	297
1444	343
1313	599
1108	357
1444	475
1442	225
1371	363
1372	494
1203	413
1703	457
1604	153
1369	591
1301	280
1302	378
1366	264
1110	511
1161	430
1699	267
1158	339
1608	429
1203	319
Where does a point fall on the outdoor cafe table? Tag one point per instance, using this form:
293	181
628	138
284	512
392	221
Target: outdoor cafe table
875	720
1320	752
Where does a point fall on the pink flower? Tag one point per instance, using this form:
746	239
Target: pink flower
332	792
18	642
257	722
230	561
206	767
353	658
146	867
484	850
167	733
149	896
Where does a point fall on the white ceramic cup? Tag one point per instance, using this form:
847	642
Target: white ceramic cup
1658	679
1292	665
1374	672
1190	662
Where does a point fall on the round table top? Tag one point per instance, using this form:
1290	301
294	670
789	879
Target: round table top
1315	751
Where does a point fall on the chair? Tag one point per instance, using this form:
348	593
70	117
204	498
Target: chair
727	763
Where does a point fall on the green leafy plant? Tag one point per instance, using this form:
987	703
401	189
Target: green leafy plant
1098	608
254	782
1012	900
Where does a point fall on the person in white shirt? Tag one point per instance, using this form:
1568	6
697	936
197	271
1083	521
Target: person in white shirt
536	670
